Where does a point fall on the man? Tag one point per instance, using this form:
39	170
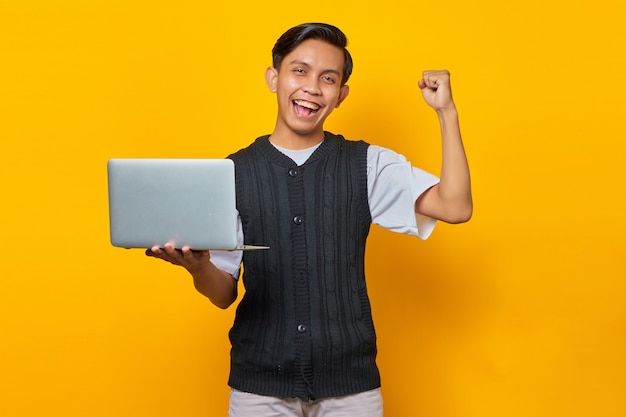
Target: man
303	341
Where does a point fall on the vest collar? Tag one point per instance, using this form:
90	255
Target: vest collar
330	144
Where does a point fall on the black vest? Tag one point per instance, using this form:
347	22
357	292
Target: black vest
304	327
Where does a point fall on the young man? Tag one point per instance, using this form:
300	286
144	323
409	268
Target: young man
303	341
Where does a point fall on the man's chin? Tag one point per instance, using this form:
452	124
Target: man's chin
307	128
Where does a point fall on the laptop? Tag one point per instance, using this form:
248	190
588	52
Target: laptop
189	202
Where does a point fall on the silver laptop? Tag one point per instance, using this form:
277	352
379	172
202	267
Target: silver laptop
190	202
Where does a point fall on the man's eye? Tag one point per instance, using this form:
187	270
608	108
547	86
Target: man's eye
328	79
299	70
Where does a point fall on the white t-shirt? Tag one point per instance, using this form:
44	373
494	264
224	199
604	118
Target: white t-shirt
393	186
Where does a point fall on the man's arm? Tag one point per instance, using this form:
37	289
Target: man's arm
450	200
217	285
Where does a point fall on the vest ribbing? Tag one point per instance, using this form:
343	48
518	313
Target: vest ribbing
303	327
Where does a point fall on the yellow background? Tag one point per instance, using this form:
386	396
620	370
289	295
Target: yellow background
520	312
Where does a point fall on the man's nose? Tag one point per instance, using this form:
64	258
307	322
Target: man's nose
312	86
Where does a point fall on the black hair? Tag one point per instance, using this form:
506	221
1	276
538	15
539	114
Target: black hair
322	31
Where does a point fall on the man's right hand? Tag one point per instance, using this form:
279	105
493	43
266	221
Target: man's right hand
193	261
219	286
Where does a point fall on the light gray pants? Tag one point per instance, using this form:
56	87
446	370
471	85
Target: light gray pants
365	404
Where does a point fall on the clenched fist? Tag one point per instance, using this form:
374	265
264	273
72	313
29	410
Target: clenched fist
435	86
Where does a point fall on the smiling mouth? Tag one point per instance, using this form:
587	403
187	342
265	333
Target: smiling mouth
305	108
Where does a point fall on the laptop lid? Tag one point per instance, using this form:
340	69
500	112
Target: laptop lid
190	202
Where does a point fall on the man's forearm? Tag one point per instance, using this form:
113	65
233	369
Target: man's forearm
454	187
215	284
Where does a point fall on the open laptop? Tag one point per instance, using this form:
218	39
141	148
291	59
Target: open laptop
190	202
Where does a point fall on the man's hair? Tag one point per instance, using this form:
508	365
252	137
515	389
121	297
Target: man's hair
321	31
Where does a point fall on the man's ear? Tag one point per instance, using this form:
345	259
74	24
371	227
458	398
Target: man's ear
271	78
343	93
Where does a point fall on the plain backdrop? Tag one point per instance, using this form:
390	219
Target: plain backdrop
519	312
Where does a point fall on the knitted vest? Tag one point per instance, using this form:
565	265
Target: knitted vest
304	327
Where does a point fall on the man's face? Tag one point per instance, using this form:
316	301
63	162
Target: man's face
308	88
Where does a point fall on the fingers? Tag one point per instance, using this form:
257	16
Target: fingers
173	255
186	249
169	248
167	253
154	251
435	86
433	79
185	257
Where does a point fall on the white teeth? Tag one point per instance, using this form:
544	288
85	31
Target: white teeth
306	104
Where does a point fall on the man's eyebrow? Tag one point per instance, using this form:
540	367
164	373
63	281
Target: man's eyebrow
299	62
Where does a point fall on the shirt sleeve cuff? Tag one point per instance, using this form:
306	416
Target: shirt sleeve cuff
424	225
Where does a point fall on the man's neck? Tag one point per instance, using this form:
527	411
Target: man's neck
296	142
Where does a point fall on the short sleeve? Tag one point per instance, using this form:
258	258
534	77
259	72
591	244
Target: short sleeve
393	187
230	261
